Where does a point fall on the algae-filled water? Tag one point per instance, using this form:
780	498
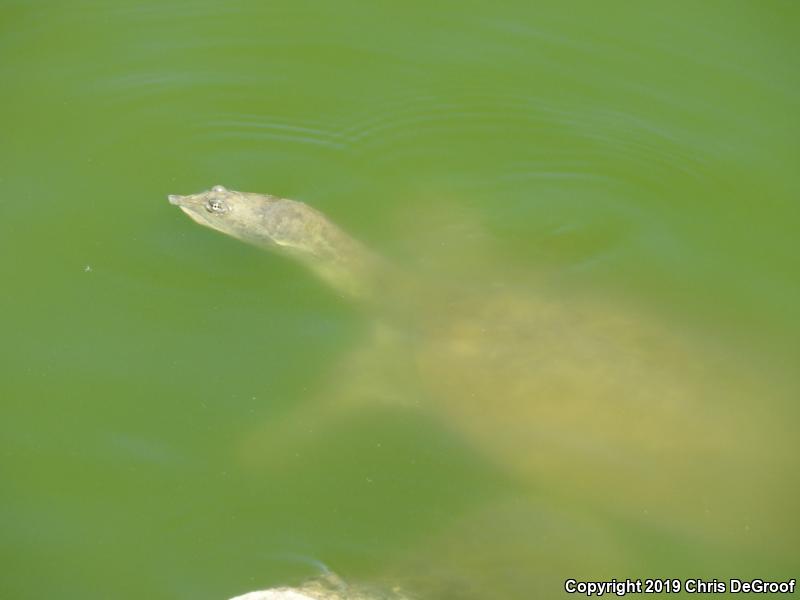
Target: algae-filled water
163	388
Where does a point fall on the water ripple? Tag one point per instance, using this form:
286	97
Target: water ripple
588	131
255	127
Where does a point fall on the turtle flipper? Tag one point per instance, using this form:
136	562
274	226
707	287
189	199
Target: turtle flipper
376	379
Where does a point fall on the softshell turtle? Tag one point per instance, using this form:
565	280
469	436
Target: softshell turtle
588	400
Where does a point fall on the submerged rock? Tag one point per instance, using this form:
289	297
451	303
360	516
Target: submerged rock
326	587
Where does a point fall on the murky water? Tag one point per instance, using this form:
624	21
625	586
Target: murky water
610	189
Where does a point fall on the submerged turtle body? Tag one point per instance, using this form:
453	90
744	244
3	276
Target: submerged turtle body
580	397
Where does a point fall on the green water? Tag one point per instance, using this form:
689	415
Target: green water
645	150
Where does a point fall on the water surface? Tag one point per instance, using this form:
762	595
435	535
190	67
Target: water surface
643	153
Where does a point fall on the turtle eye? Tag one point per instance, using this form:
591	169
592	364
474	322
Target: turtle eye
217	206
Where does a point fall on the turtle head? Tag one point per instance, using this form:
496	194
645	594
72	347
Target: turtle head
288	226
227	211
264	220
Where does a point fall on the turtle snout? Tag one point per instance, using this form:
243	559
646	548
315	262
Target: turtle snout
175	199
